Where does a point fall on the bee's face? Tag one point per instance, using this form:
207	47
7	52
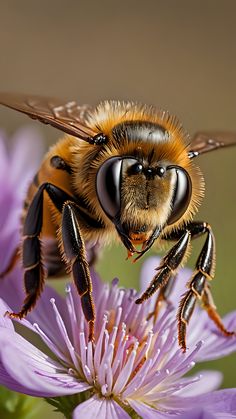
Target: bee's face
146	194
145	187
139	195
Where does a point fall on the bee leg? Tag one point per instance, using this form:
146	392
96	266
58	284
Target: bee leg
31	248
196	229
162	297
75	254
73	246
187	305
168	266
32	262
198	287
209	306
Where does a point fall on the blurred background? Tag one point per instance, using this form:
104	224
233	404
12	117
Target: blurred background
178	55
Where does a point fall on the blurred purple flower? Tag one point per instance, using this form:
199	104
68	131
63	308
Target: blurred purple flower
18	164
133	363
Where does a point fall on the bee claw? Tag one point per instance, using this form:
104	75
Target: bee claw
129	254
12	315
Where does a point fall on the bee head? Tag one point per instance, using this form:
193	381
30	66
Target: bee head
138	196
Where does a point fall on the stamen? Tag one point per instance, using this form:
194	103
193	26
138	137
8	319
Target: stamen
145	348
117	362
73	317
98	347
83	349
64	334
54	348
90	358
104	389
138	379
186	364
118	316
88	374
102	374
113	335
124	374
109	379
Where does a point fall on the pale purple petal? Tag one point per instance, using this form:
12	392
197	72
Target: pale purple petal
9	382
210	381
26	142
13	281
218	402
198	413
9	242
5	322
146	411
43	310
216	344
99	407
25	157
35	371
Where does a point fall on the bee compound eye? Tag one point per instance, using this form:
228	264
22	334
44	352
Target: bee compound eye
108	185
182	194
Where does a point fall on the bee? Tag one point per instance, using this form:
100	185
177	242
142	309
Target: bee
123	171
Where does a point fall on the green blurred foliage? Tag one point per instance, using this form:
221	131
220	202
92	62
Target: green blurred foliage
14	405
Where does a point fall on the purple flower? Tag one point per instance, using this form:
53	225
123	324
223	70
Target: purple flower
17	167
132	363
134	367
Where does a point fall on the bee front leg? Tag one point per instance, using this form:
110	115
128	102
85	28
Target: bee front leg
168	267
162	297
196	229
75	254
198	286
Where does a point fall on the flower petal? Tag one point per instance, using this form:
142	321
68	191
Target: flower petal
43	310
210	381
146	411
216	344
198	413
99	407
9	382
14	281
36	372
27	142
219	402
5	321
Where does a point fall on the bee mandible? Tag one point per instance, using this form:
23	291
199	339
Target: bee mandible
123	171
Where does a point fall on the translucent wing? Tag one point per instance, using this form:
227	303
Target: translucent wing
66	116
203	142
